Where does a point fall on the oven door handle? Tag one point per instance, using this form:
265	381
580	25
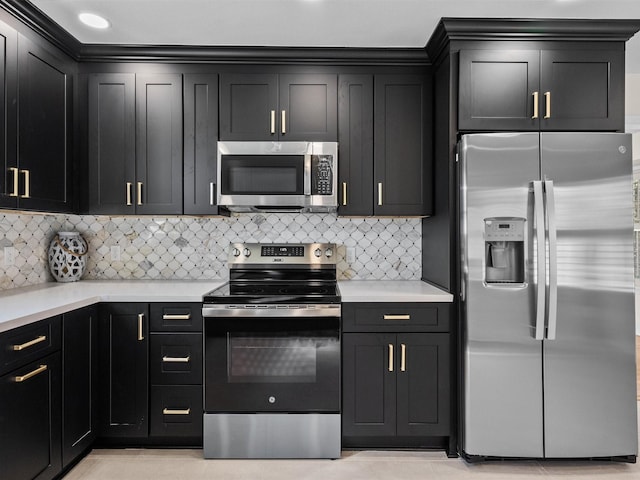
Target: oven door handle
272	311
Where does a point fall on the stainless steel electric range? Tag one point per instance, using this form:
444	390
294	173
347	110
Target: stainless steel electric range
272	354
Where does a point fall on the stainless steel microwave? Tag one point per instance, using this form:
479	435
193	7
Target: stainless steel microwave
278	176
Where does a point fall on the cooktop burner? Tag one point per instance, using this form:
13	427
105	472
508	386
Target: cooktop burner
279	274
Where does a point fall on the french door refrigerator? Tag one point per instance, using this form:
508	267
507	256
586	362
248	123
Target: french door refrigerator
547	296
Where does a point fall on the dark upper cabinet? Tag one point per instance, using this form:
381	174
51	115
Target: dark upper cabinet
9	173
402	145
159	144
36	125
112	143
200	143
123	366
355	144
285	107
79	371
385	145
548	90
135	144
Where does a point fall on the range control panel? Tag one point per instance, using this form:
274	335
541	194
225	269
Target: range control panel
282	251
245	254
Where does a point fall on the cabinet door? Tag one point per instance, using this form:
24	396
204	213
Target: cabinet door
402	145
123	366
308	108
423	384
586	89
496	90
355	144
9	175
200	144
369	384
44	129
249	107
30	421
159	144
79	369
112	151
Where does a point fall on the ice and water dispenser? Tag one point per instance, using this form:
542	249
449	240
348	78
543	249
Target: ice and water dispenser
504	250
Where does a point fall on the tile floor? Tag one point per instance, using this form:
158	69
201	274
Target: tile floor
140	464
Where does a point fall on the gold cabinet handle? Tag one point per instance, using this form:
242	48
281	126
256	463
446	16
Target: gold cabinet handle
344	193
211	193
173	411
186	359
177	317
380	193
140	326
547	104
129	186
16	181
22	378
397	317
535	105
139	201
27	184
391	357
35	341
273	122
403	357
283	121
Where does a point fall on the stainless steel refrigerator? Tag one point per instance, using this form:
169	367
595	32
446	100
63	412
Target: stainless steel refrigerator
547	296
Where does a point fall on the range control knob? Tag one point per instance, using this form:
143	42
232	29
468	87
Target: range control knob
329	252
236	252
317	252
247	252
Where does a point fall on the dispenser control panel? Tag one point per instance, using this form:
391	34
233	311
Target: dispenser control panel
504	229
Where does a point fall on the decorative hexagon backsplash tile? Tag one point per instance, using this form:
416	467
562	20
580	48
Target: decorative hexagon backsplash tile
196	247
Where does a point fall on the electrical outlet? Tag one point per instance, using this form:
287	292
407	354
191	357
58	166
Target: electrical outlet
115	253
351	255
9	256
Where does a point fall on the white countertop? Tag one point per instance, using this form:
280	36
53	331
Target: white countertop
22	306
391	291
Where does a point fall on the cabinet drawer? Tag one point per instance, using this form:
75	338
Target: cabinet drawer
395	317
176	411
25	344
176	317
176	359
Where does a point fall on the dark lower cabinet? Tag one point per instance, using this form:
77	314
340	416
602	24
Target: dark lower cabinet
176	413
396	386
123	370
30	420
79	367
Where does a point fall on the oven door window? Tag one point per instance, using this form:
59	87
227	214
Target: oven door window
272	359
262	174
282	364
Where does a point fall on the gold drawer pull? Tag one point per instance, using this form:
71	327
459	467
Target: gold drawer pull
41	338
397	317
177	317
171	411
186	359
22	378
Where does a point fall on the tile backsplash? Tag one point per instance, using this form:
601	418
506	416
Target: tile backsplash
196	247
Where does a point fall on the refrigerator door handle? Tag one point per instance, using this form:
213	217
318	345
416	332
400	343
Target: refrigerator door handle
538	204
552	300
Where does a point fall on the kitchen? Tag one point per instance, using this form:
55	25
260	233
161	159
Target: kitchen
168	247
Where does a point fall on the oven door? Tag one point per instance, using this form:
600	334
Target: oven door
272	364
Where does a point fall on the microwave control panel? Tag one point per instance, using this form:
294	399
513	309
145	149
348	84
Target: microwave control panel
322	175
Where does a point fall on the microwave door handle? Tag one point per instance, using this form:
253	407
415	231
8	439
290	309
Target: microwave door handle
307	175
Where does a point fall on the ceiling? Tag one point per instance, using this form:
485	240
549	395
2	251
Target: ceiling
309	23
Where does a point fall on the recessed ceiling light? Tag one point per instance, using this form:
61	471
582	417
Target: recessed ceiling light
94	21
